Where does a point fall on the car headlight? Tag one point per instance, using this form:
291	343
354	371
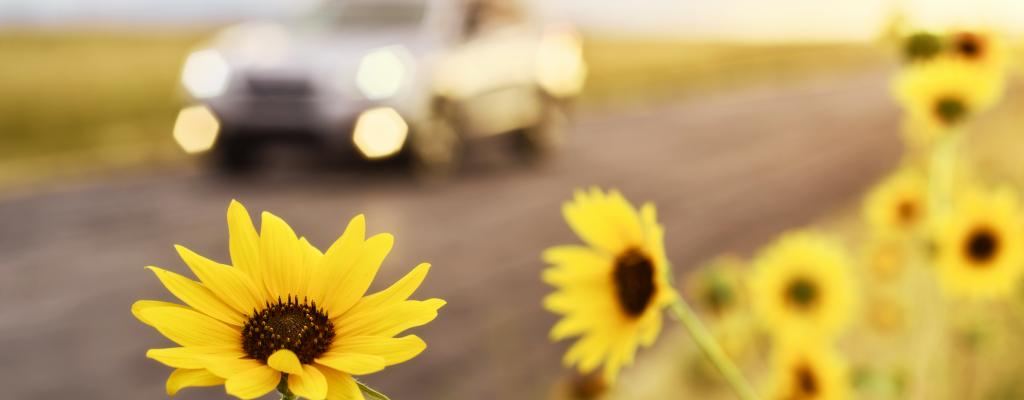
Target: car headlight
196	129
560	68
205	74
379	132
382	72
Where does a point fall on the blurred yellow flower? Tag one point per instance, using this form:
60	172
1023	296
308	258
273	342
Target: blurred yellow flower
942	95
978	244
717	287
286	314
886	314
886	258
802	286
808	370
979	47
897	206
611	291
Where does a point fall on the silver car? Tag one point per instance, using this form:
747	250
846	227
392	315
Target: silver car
379	79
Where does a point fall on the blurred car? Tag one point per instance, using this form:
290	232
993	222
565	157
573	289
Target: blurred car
379	79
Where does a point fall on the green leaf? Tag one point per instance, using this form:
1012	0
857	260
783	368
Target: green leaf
371	393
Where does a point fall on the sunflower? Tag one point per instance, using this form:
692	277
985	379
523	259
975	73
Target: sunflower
978	47
897	206
808	371
285	315
886	314
611	291
886	258
718	286
978	244
802	286
942	95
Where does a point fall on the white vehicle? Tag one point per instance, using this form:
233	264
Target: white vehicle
380	79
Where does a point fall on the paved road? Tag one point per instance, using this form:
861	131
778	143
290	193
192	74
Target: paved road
727	172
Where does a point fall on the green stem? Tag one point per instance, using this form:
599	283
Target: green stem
943	172
713	350
282	387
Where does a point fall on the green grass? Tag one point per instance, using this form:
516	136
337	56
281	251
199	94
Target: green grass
84	101
74	93
629	69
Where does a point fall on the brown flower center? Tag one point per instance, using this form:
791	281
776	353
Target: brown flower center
290	324
719	296
982	246
969	45
802	293
634	281
922	46
806	382
907	212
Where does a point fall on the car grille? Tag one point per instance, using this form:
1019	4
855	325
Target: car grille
280	86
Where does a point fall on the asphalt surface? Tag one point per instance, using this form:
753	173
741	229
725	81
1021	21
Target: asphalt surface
727	171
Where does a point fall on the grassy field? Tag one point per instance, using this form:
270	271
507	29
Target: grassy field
644	69
72	102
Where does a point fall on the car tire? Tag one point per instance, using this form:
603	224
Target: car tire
234	156
436	147
547	136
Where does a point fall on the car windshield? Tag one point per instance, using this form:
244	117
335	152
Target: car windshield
371	14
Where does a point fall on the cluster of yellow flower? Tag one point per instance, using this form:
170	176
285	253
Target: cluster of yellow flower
289	317
802	291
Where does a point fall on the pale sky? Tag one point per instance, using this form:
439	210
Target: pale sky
760	20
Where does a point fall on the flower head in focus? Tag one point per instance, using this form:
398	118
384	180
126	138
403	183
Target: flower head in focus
611	291
286	314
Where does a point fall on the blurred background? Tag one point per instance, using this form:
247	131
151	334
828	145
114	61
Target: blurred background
458	125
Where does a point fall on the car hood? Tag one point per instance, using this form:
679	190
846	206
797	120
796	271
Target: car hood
266	49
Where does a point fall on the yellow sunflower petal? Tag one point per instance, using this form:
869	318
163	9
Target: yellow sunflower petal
355	364
390	320
586	217
253	383
244	243
602	344
285	360
141	305
649	332
183	378
228	365
231	285
282	258
353	284
185	357
310	254
575	264
586	352
190	328
338	259
310	384
341	386
392	350
572	325
399	291
198	296
625	217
